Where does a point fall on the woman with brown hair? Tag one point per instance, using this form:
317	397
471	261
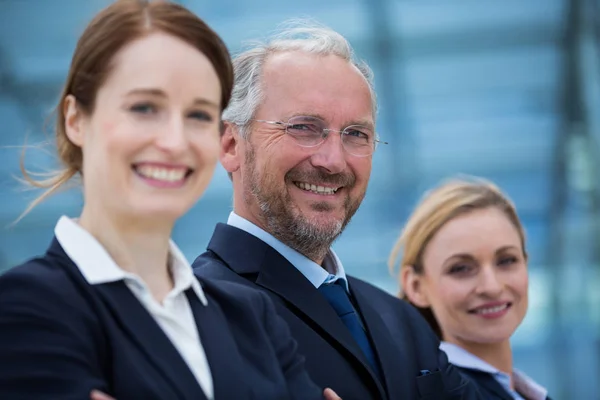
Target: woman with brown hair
464	266
113	305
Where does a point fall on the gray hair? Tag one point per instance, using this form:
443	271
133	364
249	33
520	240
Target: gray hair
295	35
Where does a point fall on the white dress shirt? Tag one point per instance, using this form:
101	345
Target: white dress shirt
522	383
174	315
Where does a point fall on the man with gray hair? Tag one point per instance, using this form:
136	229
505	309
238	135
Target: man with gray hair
298	143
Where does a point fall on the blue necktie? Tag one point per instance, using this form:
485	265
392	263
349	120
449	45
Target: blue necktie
337	296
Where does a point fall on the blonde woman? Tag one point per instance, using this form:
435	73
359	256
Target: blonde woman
464	266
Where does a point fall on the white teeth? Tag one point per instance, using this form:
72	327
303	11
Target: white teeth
491	310
162	174
316	189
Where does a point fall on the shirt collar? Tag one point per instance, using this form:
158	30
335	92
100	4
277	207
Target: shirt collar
528	387
462	358
97	266
331	271
522	383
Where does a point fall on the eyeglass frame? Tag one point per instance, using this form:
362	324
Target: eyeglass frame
324	133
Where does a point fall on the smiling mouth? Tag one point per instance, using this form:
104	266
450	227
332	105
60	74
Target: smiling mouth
491	310
163	174
317	189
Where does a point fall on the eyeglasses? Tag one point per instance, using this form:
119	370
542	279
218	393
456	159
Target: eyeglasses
358	140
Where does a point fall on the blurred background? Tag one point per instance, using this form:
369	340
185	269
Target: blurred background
508	90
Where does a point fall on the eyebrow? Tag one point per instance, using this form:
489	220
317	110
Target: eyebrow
460	255
365	123
469	256
160	93
504	248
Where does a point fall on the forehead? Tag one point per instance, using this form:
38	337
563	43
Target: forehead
475	232
163	61
326	86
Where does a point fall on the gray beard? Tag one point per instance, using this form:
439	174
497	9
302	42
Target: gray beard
293	229
301	235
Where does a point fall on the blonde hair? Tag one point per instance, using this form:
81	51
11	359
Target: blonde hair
445	202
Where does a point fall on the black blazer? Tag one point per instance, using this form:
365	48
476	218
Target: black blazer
488	386
403	342
61	337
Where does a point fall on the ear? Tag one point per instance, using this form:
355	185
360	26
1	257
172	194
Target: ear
413	287
73	121
231	151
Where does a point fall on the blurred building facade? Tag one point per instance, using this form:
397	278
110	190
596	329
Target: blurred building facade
508	90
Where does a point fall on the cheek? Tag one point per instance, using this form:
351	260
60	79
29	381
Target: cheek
207	150
453	296
101	142
277	161
361	167
108	126
112	144
111	135
520	283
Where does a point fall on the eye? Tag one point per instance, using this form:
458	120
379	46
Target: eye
201	116
356	133
357	136
304	131
305	128
507	260
460	269
143	108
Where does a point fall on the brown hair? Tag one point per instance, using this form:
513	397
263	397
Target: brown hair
442	204
114	27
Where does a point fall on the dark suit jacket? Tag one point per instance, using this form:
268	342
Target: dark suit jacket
61	337
403	342
488	386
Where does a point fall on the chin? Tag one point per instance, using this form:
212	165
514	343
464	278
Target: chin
492	336
322	216
161	211
323	220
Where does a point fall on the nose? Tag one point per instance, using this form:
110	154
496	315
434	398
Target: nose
172	137
490	283
330	155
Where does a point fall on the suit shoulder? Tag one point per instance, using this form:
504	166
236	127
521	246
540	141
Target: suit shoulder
369	288
210	266
39	278
384	301
377	295
207	258
40	271
228	291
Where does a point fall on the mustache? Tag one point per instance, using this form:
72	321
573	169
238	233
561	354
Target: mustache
318	175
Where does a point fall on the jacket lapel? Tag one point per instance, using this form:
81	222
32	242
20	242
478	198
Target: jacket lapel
247	255
131	316
487	381
281	278
220	349
383	342
152	341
